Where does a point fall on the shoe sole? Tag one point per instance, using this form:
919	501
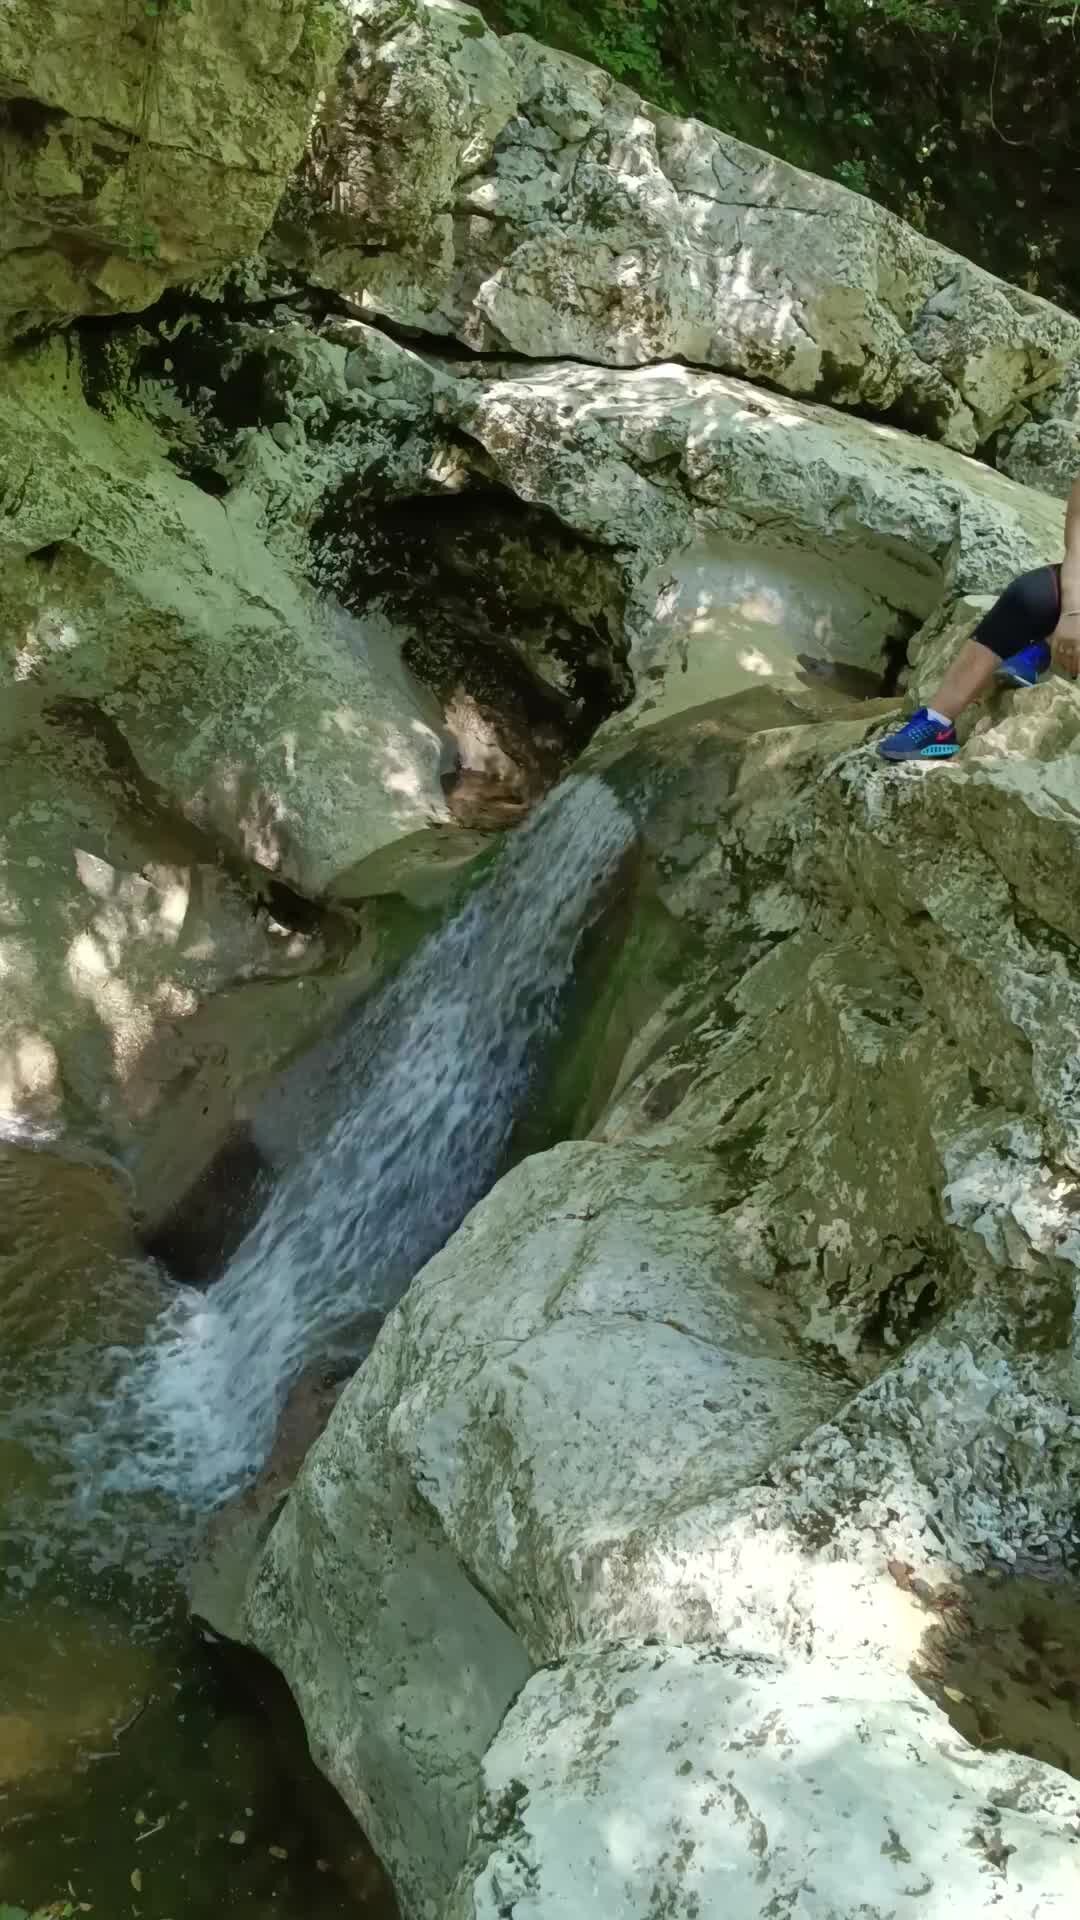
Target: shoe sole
923	753
1015	679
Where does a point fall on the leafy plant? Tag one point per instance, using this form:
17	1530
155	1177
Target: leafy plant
56	1910
853	174
145	245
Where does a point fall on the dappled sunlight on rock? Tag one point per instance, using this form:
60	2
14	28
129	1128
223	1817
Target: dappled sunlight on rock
252	708
29	1074
734	1779
706	1402
749	660
618	234
126	925
763	604
49	634
738	504
16	959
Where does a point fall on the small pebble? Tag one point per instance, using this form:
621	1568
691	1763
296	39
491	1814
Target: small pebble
278	1853
136	1880
237	1837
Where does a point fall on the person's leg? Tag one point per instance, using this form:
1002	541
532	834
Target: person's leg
968	677
1021	620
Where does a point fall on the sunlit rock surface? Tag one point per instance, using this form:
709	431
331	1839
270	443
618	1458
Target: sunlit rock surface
752	525
263	717
698	1408
192	741
685	1781
520	200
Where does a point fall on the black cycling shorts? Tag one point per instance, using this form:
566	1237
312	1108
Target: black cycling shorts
1029	609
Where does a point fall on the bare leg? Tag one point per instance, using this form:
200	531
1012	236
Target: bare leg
969	676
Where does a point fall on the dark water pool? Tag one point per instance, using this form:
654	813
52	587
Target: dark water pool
143	1770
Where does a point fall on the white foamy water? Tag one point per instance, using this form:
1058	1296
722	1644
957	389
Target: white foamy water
428	1084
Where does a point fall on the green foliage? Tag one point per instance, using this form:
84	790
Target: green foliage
959	115
145	244
922	16
970	20
158	9
623	36
853	174
58	1910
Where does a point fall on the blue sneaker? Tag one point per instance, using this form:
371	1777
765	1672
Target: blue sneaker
921	739
1026	668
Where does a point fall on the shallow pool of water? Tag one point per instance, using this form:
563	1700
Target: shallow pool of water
142	1770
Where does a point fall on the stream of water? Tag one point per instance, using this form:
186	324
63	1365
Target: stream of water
130	1407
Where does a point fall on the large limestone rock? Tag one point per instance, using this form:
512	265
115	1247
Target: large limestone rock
118	923
750	525
519	199
1044	449
683	525
268	719
616	1345
143	146
195	743
685	1782
786	1345
689	526
335	444
640	458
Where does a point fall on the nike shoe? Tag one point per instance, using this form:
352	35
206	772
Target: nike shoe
920	739
1026	668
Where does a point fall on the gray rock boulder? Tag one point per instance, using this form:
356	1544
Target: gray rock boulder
518	199
689	1417
269	719
140	147
684	1781
1044	449
510	1453
196	745
749	524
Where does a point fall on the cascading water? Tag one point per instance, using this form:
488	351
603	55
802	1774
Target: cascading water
429	1082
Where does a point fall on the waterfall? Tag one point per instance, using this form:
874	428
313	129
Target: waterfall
427	1085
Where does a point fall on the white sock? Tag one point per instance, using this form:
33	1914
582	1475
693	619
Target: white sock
941	718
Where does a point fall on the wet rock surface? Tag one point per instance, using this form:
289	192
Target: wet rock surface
703	1524
720	1396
